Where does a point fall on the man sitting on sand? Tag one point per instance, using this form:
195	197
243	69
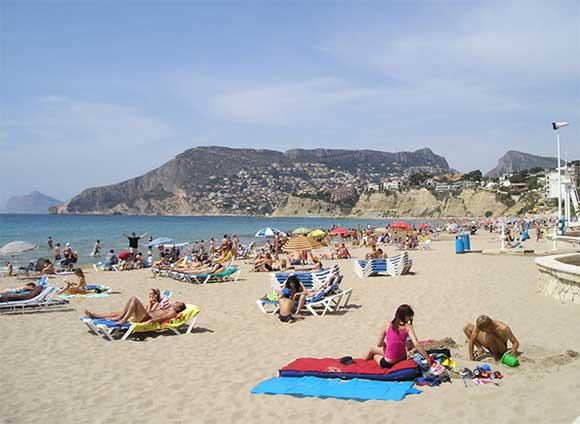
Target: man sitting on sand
492	335
135	311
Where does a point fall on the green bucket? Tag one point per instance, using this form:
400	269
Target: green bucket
510	360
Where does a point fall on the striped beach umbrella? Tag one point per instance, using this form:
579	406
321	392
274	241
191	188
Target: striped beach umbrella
301	243
268	232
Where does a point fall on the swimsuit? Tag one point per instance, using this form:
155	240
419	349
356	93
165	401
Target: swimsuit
286	318
395	347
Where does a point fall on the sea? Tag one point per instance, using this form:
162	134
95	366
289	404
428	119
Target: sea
81	231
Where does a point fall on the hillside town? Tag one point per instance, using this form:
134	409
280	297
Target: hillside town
261	190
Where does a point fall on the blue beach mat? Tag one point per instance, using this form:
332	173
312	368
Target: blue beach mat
356	389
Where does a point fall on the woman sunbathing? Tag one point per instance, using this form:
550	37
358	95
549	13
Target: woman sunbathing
79	287
392	345
135	311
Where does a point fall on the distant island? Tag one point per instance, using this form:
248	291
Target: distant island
35	202
320	182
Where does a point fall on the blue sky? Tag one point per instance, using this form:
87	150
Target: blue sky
97	92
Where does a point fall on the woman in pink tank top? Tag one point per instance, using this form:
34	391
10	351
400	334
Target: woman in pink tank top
392	345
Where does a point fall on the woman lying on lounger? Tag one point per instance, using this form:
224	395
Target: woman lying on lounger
392	345
135	311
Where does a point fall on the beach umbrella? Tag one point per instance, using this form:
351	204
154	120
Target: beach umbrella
16	248
267	232
339	231
317	234
401	226
301	230
301	243
160	240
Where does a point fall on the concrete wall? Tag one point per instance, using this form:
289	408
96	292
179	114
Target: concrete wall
560	277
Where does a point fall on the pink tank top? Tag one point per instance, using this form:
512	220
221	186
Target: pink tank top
396	344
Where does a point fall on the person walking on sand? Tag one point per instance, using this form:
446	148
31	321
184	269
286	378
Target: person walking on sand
134	241
492	335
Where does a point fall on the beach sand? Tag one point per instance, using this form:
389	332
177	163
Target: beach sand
54	370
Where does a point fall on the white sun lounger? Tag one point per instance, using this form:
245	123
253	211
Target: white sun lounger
42	300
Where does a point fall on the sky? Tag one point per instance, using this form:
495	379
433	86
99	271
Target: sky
96	92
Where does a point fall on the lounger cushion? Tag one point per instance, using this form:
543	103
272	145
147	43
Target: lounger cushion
361	368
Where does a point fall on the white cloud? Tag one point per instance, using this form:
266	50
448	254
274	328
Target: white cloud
288	103
488	41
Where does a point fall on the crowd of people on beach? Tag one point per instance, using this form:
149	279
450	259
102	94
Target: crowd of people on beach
397	339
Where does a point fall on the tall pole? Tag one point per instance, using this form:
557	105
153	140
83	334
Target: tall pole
559	182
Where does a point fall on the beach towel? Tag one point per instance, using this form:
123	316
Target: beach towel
356	389
361	368
93	291
86	295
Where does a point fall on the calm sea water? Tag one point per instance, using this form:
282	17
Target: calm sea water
82	231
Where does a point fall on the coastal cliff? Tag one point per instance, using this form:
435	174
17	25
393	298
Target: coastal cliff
412	203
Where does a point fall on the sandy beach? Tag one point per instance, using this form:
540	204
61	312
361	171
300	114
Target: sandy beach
54	370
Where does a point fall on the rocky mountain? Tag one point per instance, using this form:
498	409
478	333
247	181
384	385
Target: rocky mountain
514	161
219	180
34	202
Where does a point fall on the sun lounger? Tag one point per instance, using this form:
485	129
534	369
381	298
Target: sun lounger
109	329
311	280
231	273
399	265
370	268
328	299
42	300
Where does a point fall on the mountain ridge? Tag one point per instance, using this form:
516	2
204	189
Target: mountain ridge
515	161
205	179
35	202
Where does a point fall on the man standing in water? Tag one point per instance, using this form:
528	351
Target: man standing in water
134	241
49	242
